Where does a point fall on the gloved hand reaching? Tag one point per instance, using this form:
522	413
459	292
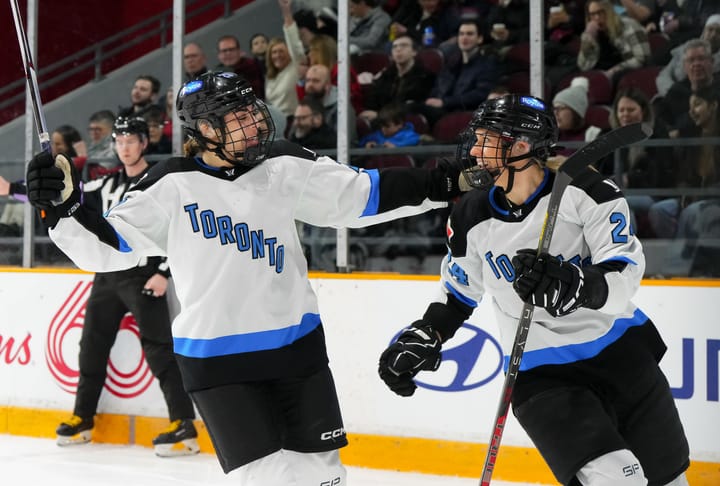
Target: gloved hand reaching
446	181
546	281
53	187
417	348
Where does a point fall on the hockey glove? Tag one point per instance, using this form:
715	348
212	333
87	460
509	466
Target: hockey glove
416	349
53	187
546	281
445	181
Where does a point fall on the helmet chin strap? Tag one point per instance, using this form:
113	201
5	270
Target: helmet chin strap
512	170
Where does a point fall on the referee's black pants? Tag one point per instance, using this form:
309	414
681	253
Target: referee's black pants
113	295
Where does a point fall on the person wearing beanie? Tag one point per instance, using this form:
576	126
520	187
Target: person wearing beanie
570	106
674	71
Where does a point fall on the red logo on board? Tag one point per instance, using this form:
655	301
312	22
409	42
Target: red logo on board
70	317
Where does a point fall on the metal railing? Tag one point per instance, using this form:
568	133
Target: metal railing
94	57
415	245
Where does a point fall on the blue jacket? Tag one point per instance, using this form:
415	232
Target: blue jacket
404	138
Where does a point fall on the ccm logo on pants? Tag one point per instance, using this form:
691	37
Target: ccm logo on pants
334	434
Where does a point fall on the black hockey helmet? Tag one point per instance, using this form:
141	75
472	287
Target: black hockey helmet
512	117
125	125
211	97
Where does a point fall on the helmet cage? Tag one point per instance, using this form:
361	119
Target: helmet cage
510	118
213	96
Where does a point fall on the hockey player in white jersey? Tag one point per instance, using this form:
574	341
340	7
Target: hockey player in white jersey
589	393
249	338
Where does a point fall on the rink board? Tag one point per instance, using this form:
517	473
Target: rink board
442	429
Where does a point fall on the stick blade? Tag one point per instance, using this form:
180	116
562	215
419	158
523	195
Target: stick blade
603	146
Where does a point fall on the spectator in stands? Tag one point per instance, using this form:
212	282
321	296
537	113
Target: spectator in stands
100	149
682	20
642	11
697	166
674	71
66	139
282	61
369	26
169	108
394	130
564	26
158	142
258	49
404	81
323	50
194	61
319	87
414	17
233	59
309	128
466	79
694	220
698	67
508	25
611	42
570	106
144	93
642	167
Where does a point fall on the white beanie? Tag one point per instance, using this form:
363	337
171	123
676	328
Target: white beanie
713	19
574	96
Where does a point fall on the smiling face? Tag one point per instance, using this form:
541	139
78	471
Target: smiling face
279	56
698	65
244	128
142	93
491	150
702	111
628	111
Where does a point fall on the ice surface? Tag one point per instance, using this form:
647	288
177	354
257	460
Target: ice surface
40	462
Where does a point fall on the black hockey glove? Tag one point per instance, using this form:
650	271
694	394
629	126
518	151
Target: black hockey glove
53	187
546	281
445	181
416	349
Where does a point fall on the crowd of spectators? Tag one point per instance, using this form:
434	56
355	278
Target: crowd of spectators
416	63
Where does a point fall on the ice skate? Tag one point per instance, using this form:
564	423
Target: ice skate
180	439
75	430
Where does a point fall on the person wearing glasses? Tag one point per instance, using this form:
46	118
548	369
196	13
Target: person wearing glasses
611	42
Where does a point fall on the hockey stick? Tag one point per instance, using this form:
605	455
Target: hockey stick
573	166
31	78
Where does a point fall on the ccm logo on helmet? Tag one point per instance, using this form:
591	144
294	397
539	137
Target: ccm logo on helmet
245	91
333	434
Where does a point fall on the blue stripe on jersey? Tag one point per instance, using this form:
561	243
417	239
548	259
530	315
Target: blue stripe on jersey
539	189
576	352
123	246
462	298
373	203
246	343
620	259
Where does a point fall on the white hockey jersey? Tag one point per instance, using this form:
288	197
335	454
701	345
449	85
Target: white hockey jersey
593	226
248	311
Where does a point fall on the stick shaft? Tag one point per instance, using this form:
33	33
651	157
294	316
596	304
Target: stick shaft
31	78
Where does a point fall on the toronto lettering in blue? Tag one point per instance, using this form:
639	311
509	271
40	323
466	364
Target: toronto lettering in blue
238	234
